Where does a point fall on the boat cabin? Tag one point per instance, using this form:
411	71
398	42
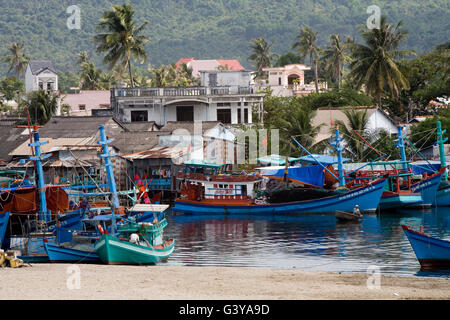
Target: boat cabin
201	180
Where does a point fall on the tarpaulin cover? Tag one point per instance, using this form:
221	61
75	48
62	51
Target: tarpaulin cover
312	175
324	159
425	168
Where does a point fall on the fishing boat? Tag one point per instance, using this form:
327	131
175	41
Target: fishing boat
442	197
208	188
135	242
432	253
4	218
148	248
347	216
59	253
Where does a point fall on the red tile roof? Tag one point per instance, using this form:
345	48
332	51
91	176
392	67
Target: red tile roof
232	64
184	60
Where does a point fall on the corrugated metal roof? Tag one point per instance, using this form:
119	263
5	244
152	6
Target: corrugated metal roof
52	145
160	152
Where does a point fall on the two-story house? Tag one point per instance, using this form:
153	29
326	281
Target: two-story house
41	75
224	95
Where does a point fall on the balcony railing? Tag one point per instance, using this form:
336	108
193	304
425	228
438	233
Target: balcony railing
181	91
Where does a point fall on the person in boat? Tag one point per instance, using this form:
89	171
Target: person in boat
85	205
356	211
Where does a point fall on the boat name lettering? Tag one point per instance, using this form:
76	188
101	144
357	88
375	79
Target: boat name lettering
353	194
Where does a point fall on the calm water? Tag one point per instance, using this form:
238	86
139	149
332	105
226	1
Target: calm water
307	242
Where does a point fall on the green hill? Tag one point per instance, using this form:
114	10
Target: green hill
211	28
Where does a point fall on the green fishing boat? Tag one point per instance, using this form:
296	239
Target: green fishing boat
137	243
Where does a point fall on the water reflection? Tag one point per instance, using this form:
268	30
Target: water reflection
317	242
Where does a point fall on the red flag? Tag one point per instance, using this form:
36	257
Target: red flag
136	177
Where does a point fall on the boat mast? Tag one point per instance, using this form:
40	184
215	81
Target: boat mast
110	175
37	158
401	145
338	147
441	141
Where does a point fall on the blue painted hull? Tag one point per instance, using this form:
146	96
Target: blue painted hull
70	221
399	201
428	188
443	197
432	253
4	218
366	197
57	253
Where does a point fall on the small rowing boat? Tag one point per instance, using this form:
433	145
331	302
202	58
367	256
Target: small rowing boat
347	216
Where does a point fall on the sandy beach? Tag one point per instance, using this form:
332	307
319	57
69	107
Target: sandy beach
61	281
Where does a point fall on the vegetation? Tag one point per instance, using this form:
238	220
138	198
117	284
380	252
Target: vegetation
261	56
121	39
41	106
11	87
16	58
424	135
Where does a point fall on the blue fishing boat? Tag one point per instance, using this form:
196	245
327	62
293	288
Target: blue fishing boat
443	195
59	253
428	188
226	193
4	218
432	253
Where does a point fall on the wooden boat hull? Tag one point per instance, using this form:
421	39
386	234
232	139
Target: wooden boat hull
347	216
57	253
366	197
4	218
432	253
391	200
428	189
111	250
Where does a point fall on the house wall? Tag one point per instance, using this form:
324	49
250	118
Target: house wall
378	120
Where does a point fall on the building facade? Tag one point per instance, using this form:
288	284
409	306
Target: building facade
41	75
224	96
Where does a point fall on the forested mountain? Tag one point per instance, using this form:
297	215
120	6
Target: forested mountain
210	28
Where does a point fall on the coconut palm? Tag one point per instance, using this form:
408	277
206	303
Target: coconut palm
42	106
336	55
261	56
90	77
374	63
358	120
121	39
82	57
16	58
299	125
306	45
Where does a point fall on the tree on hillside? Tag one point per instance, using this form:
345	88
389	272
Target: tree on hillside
16	58
90	77
336	55
41	106
11	87
306	45
121	39
82	57
261	56
374	62
288	58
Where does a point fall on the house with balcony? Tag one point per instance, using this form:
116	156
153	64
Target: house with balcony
41	75
288	81
224	95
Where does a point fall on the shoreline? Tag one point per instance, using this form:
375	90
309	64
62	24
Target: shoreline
53	282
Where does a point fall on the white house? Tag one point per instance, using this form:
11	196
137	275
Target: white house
41	74
224	96
289	80
378	119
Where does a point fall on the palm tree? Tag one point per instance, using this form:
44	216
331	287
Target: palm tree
121	38
82	57
90	77
16	58
42	106
261	57
374	64
336	55
306	44
299	125
358	121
